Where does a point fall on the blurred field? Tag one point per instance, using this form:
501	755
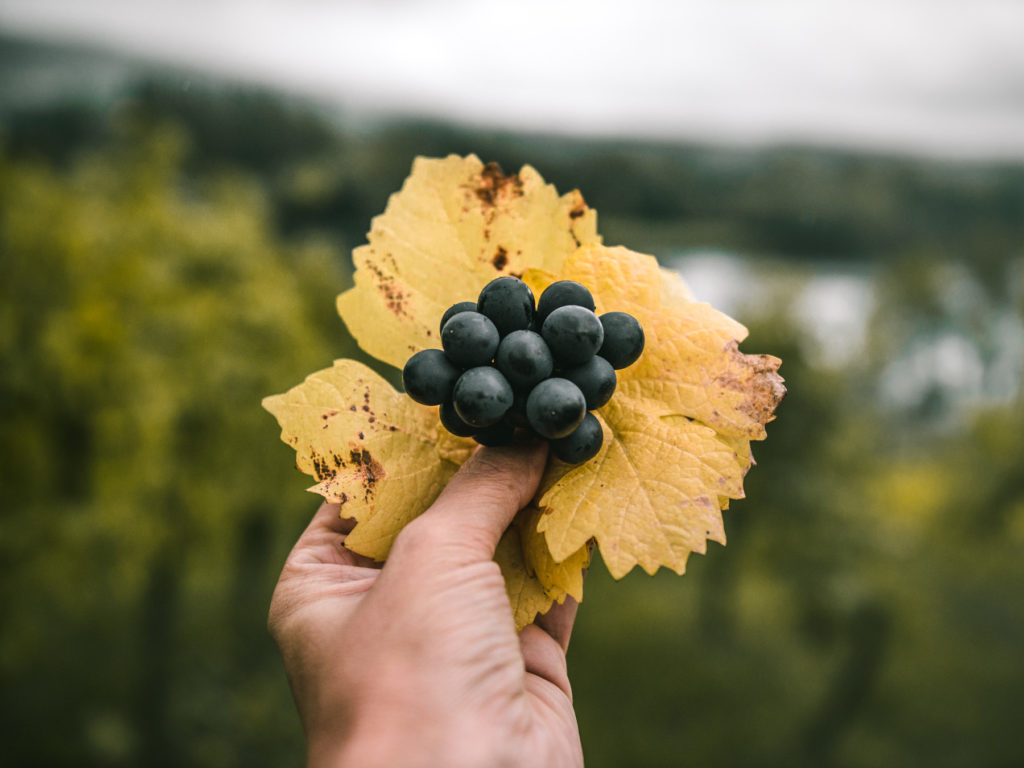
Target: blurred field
168	260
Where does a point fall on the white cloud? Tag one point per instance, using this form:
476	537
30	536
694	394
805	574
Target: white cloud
936	76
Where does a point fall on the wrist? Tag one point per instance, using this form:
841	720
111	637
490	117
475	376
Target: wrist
378	739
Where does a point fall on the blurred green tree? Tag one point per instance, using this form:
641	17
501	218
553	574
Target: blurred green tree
145	313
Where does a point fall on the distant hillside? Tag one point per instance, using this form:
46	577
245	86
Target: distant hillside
329	170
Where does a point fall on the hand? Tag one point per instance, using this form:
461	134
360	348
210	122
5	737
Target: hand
418	663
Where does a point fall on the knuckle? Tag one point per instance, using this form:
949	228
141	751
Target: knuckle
419	536
438	542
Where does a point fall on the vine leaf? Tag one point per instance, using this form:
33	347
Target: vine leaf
455	225
370	448
677	431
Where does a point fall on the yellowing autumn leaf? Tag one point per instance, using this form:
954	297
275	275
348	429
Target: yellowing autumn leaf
559	578
677	431
649	498
526	593
371	449
455	225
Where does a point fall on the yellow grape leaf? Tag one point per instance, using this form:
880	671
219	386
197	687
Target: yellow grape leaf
525	593
649	498
533	580
455	225
691	364
371	449
677	431
558	578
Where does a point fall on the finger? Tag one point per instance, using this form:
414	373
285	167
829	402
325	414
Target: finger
323	540
481	499
558	622
544	658
329	518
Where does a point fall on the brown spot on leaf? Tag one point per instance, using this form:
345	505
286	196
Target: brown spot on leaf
500	258
368	470
578	209
322	469
362	436
394	297
494	184
352	408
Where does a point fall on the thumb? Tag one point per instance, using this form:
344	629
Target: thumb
479	502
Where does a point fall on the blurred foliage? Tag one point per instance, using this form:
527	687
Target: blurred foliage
166	264
145	314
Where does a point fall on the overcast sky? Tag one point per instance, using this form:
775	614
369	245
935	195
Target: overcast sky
941	77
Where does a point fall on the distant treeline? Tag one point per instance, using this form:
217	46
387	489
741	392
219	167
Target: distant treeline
791	202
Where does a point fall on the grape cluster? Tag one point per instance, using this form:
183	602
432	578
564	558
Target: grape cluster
508	363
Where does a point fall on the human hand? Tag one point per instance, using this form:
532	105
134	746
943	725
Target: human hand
418	663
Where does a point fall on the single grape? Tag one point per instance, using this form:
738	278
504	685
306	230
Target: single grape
454	309
596	380
450	420
508	302
562	293
481	395
555	408
623	339
574	334
496	434
582	444
429	376
469	339
524	358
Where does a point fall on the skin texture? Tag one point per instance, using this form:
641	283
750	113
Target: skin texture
418	663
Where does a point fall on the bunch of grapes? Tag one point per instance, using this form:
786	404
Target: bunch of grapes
509	363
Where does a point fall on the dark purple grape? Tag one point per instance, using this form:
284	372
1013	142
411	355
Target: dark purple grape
524	358
555	408
623	339
574	334
429	377
481	395
596	380
454	309
508	302
450	420
562	293
582	444
469	339
496	434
